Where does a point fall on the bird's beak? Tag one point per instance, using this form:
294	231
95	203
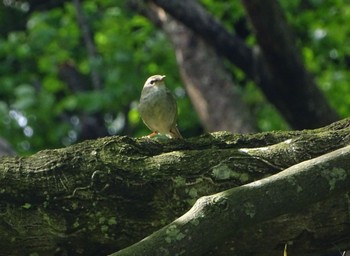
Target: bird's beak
162	78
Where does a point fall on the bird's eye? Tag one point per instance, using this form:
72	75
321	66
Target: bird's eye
152	81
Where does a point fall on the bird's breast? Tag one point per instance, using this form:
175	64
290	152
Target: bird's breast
156	110
153	95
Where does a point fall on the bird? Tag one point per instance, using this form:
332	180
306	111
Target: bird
158	108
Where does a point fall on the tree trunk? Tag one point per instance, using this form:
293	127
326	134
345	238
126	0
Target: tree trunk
216	98
274	65
296	90
214	95
101	196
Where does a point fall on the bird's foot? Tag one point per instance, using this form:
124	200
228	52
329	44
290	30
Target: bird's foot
152	134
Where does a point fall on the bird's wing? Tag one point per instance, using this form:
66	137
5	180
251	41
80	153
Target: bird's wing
173	105
174	132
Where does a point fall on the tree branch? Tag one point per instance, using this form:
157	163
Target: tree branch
91	49
100	196
238	208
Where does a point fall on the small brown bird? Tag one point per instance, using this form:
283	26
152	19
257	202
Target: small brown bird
158	108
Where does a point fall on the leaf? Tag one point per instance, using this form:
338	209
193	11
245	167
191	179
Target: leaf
25	97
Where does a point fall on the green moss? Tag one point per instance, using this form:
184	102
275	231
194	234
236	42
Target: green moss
224	172
337	174
179	181
249	209
102	220
193	193
221	172
76	223
104	228
292	181
173	233
195	222
26	206
112	221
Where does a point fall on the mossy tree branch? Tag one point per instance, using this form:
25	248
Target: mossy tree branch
103	195
216	218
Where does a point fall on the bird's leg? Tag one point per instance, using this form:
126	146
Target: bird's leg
152	134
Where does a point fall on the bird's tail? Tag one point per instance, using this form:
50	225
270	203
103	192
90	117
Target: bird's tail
174	132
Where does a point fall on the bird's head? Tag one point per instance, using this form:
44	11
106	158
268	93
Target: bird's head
155	80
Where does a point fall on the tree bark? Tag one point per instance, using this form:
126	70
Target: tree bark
101	196
297	87
227	212
277	68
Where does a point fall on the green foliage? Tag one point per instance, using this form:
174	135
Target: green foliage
40	110
321	28
324	39
37	105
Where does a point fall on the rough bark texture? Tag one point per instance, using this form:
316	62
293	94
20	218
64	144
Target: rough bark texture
237	208
100	196
277	68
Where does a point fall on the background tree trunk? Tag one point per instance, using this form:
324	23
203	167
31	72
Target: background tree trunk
100	196
275	64
296	88
215	97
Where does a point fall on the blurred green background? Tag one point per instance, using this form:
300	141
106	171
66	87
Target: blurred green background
40	48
